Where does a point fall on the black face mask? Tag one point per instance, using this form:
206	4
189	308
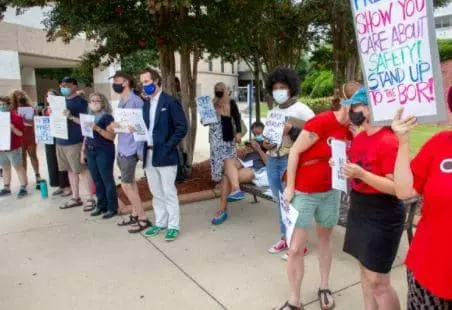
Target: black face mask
118	88
219	94
357	118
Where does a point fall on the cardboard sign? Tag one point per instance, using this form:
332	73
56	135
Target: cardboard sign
42	130
207	112
58	122
86	121
127	118
274	127
289	217
338	149
26	112
5	129
399	56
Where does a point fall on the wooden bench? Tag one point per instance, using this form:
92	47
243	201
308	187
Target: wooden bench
411	206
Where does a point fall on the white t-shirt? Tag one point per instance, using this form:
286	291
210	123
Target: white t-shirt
299	111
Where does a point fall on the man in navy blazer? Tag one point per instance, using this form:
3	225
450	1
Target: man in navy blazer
167	124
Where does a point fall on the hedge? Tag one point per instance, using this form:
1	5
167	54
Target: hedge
317	104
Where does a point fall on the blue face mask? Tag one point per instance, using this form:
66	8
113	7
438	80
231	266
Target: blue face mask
149	89
260	138
65	91
4	108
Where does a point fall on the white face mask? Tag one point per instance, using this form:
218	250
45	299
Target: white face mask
280	95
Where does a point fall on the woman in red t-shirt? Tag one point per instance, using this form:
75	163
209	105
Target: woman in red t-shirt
429	260
309	188
376	216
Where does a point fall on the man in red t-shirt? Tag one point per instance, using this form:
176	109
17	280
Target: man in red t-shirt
13	157
429	260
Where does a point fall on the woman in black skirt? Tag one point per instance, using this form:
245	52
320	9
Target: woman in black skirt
56	178
376	215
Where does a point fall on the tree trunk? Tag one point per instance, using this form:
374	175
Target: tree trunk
168	69
257	85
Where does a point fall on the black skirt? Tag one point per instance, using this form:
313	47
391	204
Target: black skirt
375	225
56	178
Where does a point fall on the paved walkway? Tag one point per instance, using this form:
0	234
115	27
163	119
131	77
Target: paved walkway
64	259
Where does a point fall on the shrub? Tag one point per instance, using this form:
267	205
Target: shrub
308	84
317	104
323	85
445	49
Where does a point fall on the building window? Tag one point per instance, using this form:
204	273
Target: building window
210	65
443	21
222	66
232	67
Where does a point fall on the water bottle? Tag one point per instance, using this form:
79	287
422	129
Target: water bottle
44	192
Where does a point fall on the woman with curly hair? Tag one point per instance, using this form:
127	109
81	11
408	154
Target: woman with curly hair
284	85
20	99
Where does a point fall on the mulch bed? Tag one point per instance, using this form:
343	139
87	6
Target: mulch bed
198	180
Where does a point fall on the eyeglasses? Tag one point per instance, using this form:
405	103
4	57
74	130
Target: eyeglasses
96	101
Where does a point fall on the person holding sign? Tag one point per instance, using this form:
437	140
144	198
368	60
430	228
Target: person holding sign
222	137
376	217
68	150
100	155
20	100
429	260
128	152
284	84
309	189
13	157
165	119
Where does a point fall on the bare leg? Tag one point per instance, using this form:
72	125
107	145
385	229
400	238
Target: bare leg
325	254
231	170
74	182
295	265
34	159
86	181
21	174
6	175
24	158
225	190
131	191
369	300
382	291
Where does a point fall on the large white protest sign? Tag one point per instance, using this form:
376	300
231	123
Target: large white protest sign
86	121
274	127
207	112
131	118
338	149
289	217
42	130
399	55
5	129
26	112
58	122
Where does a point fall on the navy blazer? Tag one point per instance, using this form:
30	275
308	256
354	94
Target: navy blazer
170	127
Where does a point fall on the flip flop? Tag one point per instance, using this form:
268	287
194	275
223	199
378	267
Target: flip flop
73	202
324	300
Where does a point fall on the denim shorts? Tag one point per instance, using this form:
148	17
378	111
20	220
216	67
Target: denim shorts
323	207
13	158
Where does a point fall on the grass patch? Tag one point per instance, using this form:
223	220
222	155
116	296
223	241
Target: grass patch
421	134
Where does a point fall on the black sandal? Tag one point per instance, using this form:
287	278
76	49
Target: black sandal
132	220
140	226
325	301
90	205
73	202
288	306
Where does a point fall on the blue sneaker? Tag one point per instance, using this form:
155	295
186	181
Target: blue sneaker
236	196
22	193
219	219
5	192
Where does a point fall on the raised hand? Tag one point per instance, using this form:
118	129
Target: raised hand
403	127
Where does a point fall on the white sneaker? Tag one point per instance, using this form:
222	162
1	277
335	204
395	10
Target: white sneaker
285	257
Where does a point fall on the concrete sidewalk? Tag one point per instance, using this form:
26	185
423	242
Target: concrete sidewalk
63	259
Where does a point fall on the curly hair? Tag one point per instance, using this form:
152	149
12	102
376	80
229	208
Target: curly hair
19	98
285	76
106	106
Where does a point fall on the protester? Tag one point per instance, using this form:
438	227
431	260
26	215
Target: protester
100	155
167	125
56	178
222	137
284	85
68	150
128	150
309	188
13	157
430	255
235	173
376	216
18	99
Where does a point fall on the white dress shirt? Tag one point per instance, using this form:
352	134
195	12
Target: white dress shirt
152	112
